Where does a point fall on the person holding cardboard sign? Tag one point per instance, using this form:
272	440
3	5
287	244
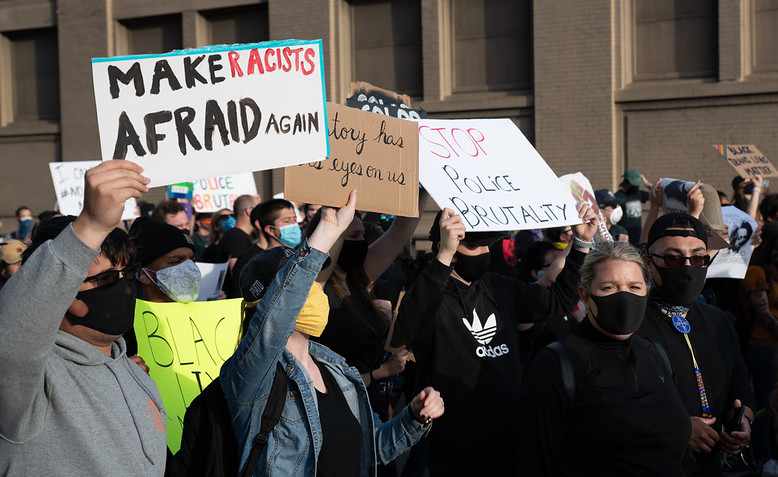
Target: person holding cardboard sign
460	322
73	403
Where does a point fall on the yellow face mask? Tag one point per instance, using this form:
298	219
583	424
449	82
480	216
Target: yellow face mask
314	313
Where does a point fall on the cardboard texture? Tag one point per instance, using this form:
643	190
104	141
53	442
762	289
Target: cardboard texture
376	155
747	160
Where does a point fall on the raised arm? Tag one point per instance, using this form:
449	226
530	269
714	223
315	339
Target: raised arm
250	370
35	299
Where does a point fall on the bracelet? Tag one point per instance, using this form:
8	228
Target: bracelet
582	243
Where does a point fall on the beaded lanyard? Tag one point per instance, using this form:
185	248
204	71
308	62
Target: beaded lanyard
677	315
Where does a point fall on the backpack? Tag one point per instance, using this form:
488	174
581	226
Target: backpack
568	373
208	444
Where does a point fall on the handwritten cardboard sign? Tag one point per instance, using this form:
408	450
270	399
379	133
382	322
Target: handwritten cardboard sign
216	110
582	191
374	99
487	172
376	155
733	262
184	346
68	180
747	160
215	193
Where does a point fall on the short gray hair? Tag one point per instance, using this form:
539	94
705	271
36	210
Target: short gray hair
611	251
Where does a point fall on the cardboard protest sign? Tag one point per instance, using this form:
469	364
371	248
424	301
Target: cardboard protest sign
222	109
487	172
215	193
733	262
374	99
68	180
376	155
184	346
583	192
212	280
747	160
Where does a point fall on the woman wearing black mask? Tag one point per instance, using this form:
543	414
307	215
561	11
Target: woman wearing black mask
460	321
701	343
602	401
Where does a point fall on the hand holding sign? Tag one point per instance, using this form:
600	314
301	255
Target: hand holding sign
696	200
107	187
585	231
452	231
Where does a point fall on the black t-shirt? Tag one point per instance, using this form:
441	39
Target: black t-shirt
235	243
214	254
724	373
625	417
632	203
341	448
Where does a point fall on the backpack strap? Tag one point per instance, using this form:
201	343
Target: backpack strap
660	350
270	417
568	374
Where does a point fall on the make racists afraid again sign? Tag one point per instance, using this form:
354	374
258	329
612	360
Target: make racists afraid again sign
487	172
211	111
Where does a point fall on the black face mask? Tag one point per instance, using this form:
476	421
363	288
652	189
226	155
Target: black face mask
620	313
472	267
680	286
353	254
111	307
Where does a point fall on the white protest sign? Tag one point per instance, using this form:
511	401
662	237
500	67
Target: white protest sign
733	262
675	194
68	180
212	111
212	280
487	172
216	193
583	192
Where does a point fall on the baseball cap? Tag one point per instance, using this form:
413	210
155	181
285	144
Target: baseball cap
605	198
257	275
153	239
632	176
677	224
11	251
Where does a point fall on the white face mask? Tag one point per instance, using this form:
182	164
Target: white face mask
180	282
616	215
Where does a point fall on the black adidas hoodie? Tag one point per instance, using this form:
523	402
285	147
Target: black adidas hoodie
466	346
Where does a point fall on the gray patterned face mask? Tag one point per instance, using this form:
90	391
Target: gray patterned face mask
180	282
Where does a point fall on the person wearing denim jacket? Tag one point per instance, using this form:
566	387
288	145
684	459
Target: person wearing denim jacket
246	377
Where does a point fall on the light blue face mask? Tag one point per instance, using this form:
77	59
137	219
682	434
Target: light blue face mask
229	223
291	235
180	282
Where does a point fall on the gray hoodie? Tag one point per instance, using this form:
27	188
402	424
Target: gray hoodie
67	409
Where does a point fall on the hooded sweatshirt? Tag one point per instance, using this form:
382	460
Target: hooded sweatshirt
66	408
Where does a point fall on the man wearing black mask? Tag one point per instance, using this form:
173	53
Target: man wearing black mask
72	403
700	340
460	322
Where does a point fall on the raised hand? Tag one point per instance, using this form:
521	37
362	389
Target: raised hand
696	200
107	187
427	405
333	223
588	228
452	231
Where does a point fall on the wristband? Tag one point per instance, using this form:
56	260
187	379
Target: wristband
582	243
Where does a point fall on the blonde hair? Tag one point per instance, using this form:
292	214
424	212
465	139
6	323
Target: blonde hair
611	251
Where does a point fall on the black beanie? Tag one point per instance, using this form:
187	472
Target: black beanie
154	239
47	230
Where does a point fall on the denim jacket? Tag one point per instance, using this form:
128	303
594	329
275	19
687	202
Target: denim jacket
294	444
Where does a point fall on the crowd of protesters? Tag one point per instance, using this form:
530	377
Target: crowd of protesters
547	353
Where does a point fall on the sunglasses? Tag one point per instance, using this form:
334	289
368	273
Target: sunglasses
107	277
678	261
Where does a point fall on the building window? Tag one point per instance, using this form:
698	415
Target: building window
675	39
386	40
153	34
238	25
485	34
765	36
35	74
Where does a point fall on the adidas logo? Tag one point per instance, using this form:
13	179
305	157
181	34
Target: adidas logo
482	333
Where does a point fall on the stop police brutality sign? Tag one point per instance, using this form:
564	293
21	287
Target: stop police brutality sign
487	172
217	110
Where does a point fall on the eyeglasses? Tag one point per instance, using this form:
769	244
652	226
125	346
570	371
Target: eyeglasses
678	261
107	277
